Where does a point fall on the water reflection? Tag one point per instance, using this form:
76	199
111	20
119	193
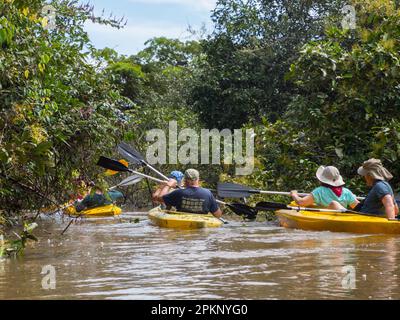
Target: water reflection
115	259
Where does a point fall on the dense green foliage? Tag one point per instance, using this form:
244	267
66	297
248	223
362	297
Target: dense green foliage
58	112
249	53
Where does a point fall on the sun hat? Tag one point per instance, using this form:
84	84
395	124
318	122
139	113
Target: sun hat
192	174
330	175
177	175
375	169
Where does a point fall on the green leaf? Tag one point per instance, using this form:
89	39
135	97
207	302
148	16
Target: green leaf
3	35
45	59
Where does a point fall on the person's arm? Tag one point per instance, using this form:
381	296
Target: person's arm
214	207
163	190
306	201
156	194
389	205
218	213
114	195
385	193
82	205
353	200
354	204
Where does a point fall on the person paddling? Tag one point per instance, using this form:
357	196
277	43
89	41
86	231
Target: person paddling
176	175
380	199
97	199
192	199
331	194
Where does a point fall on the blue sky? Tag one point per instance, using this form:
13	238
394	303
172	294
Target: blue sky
148	19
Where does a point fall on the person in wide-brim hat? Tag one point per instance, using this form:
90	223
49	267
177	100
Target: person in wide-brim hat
374	169
330	176
331	194
380	199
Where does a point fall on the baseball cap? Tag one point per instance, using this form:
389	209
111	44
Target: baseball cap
192	174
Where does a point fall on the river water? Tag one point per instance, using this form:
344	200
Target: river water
116	258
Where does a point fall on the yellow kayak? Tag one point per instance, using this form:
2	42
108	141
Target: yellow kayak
182	220
336	222
103	211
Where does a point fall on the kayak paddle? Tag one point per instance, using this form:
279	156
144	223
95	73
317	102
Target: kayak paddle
234	190
128	181
131	154
273	206
115	165
112	173
242	210
136	157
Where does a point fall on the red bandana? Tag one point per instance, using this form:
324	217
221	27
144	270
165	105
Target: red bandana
337	190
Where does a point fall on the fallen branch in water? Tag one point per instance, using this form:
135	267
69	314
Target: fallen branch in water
72	220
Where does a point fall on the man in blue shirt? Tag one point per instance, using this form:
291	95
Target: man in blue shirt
192	199
380	199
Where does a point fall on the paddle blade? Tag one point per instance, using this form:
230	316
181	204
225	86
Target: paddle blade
130	181
270	206
233	190
243	210
130	153
112	173
111	164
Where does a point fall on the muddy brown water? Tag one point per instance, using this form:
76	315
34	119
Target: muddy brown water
115	258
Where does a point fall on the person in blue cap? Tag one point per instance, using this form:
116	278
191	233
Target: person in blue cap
174	175
178	176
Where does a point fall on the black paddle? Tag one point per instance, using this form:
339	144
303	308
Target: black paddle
238	208
135	157
129	153
112	164
115	165
243	210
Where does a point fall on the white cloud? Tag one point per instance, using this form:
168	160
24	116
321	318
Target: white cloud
130	39
196	4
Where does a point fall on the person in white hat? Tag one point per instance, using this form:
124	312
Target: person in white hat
331	194
380	199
